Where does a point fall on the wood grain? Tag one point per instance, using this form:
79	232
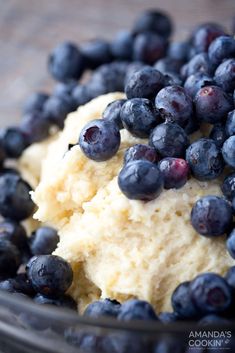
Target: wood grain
29	29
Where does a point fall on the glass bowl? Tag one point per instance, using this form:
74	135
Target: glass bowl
26	327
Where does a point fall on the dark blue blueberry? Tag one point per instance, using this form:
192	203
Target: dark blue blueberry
204	35
125	343
174	105
18	284
169	140
172	79
15	200
15	233
230	124
35	127
35	102
196	81
122	46
66	62
228	186
168	317
57	108
81	95
204	159
149	47
221	48
154	21
168	65
112	112
213	319
211	293
9	259
43	241
100	140
96	52
211	216
88	342
182	302
106	307
230	277
145	83
218	134
228	151
62	89
133	68
139	116
212	104
135	309
50	275
179	51
140	151
13	142
140	180
192	125
225	75
175	172
198	63
230	244
64	301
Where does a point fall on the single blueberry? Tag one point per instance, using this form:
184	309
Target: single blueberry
218	134
211	216
13	142
204	159
140	180
15	233
197	81
173	79
168	65
15	200
182	302
112	112
221	48
135	309
43	241
169	140
10	259
149	47
174	105
35	127
64	301
175	172
228	186
197	64
225	75
140	151
228	151
50	275
145	83
100	139
133	68
139	116
205	34
230	244
81	95
179	51
211	293
122	46
96	52
62	88
230	123
106	307
35	102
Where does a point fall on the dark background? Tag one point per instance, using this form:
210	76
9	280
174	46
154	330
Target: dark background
29	29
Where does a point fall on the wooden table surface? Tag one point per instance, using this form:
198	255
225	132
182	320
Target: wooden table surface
29	29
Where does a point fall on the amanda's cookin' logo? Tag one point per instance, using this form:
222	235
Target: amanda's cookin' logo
209	339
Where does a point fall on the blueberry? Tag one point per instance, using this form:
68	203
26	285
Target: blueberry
204	159
192	126
18	284
9	259
133	68
173	79
96	52
182	302
168	65
140	151
230	244
179	51
135	309
149	47
213	319
225	75
81	95
210	293
221	48
57	108
87	341
50	275
198	63
100	140
122	46
211	216
13	142
230	277
154	21
169	140
145	83
230	123
15	200
35	102
228	151
35	127
112	112
139	116
15	233
218	134
174	105
62	88
197	81
204	35
212	104
175	172
64	301
140	180
168	317
228	186
106	307
66	62
124	343
43	241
